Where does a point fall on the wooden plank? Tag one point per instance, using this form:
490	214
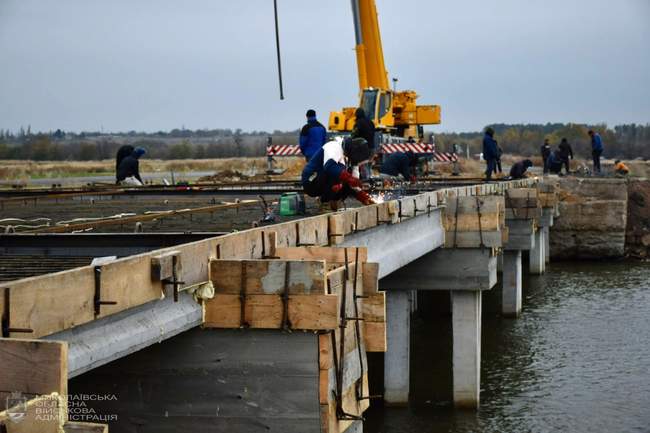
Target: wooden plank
268	276
472	222
53	302
365	217
162	265
325	351
336	231
370	276
332	255
43	414
374	336
33	367
374	307
128	282
309	312
84	427
329	421
312	231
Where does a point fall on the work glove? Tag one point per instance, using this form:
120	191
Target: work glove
364	198
347	178
413	179
337	187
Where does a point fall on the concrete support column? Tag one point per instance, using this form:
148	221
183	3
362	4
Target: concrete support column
536	262
397	356
511	293
466	326
547	246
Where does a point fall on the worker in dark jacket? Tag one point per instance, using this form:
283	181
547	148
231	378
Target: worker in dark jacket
128	172
397	163
596	149
329	174
124	151
545	152
566	154
518	169
490	152
554	162
364	128
312	136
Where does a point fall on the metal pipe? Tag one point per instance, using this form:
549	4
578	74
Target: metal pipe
277	45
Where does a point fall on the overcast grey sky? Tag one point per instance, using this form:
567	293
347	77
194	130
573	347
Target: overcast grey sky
160	64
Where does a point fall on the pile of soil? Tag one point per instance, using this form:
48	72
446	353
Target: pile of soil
225	176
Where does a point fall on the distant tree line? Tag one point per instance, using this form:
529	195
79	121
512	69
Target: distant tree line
623	141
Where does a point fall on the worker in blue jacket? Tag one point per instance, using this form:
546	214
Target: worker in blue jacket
312	136
490	152
596	149
397	163
330	173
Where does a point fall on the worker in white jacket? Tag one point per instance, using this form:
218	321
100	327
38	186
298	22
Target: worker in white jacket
333	172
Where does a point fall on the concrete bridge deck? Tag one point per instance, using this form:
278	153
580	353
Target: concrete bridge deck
416	241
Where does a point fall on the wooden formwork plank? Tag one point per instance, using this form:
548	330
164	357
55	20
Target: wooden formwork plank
370	275
33	367
312	231
374	307
388	212
129	284
329	421
268	276
42	414
51	303
374	336
308	312
332	255
365	217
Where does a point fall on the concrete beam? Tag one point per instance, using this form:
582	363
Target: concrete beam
397	356
511	291
446	269
396	245
466	329
102	341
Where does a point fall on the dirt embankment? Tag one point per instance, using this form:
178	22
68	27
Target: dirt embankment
638	219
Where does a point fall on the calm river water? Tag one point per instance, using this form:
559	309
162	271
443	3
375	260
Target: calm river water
577	360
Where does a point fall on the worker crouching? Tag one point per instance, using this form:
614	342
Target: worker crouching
400	163
332	173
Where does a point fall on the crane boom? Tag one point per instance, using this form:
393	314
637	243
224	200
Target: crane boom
391	111
370	55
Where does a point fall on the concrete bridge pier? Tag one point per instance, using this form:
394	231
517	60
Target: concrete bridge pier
511	283
398	342
521	238
537	258
466	272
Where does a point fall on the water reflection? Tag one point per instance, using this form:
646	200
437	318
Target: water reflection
577	360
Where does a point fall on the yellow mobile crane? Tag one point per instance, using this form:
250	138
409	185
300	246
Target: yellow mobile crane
391	111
